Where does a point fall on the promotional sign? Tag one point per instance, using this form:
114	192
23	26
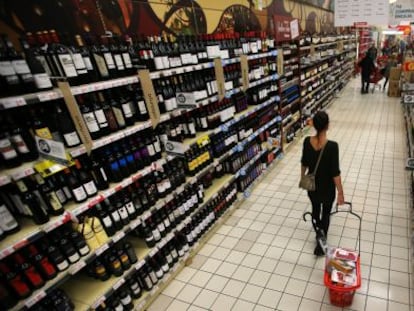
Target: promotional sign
401	11
348	12
51	148
282	27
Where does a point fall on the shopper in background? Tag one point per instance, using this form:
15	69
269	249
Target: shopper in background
328	174
373	52
392	62
367	67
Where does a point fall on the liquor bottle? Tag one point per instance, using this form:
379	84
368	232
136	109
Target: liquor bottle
116	218
114	264
109	113
134	287
128	204
39	127
123	257
122	211
142	112
127	106
89	117
117	109
67	247
28	270
48	194
8	223
108	57
8	154
36	210
145	276
66	127
7	299
97	171
129	57
105	218
78	241
97	58
130	252
75	186
41	77
41	262
117	57
92	73
101	118
63	59
16	281
54	254
126	300
9	80
85	179
78	60
100	270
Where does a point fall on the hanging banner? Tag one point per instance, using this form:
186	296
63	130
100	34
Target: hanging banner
401	11
282	28
348	12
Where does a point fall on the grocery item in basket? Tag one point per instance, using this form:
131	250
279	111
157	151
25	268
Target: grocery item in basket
344	266
343	278
345	254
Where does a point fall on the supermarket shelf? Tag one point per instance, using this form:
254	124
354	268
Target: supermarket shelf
103	141
297	100
180	70
295	118
272	77
290	83
236	118
103	85
261	55
24	170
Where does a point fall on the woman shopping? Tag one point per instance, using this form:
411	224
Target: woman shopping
322	154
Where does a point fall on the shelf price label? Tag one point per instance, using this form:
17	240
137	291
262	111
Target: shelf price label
77	267
102	249
35	299
118	284
118	236
203	140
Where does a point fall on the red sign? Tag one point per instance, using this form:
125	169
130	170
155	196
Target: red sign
360	24
282	27
408	66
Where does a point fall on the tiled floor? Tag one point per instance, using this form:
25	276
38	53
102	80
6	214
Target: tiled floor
262	257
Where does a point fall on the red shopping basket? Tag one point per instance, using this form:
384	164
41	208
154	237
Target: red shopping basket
341	295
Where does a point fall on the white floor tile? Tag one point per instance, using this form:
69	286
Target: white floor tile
289	302
205	298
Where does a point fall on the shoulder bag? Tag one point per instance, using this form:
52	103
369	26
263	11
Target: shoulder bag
307	182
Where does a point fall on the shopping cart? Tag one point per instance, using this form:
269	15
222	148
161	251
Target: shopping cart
342	280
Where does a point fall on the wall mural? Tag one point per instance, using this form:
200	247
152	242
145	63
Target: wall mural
163	16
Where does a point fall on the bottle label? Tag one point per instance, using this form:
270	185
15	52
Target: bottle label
61	196
91	122
174	253
115	216
119	116
151	150
127	300
161	227
79	193
148	282
20	66
7	150
100	117
19	143
62	265
159	273
67	65
142	107
45	65
169	258
88	63
42	81
107	222
54	201
119	63
109	60
90	188
78	62
126	108
159	65
6	69
84	250
123	212
68	194
44	132
127	60
130	208
7	221
71	139
74	258
100	63
156	234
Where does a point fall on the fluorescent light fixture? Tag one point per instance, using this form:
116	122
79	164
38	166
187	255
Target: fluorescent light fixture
392	32
393	1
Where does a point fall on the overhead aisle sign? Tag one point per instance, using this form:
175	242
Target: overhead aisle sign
348	12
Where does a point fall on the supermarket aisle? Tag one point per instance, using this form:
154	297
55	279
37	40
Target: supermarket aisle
262	258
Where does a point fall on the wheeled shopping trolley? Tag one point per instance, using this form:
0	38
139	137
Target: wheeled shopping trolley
343	267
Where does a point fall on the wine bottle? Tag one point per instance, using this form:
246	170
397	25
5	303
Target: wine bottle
8	223
86	179
75	186
87	59
105	218
8	154
9	80
36	210
66	127
28	270
101	118
41	262
17	283
117	109
8	300
55	255
89	117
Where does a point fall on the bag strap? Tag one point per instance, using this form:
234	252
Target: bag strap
319	160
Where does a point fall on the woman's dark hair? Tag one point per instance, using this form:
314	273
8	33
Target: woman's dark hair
321	121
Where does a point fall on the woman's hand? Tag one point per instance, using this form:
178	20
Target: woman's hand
340	199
